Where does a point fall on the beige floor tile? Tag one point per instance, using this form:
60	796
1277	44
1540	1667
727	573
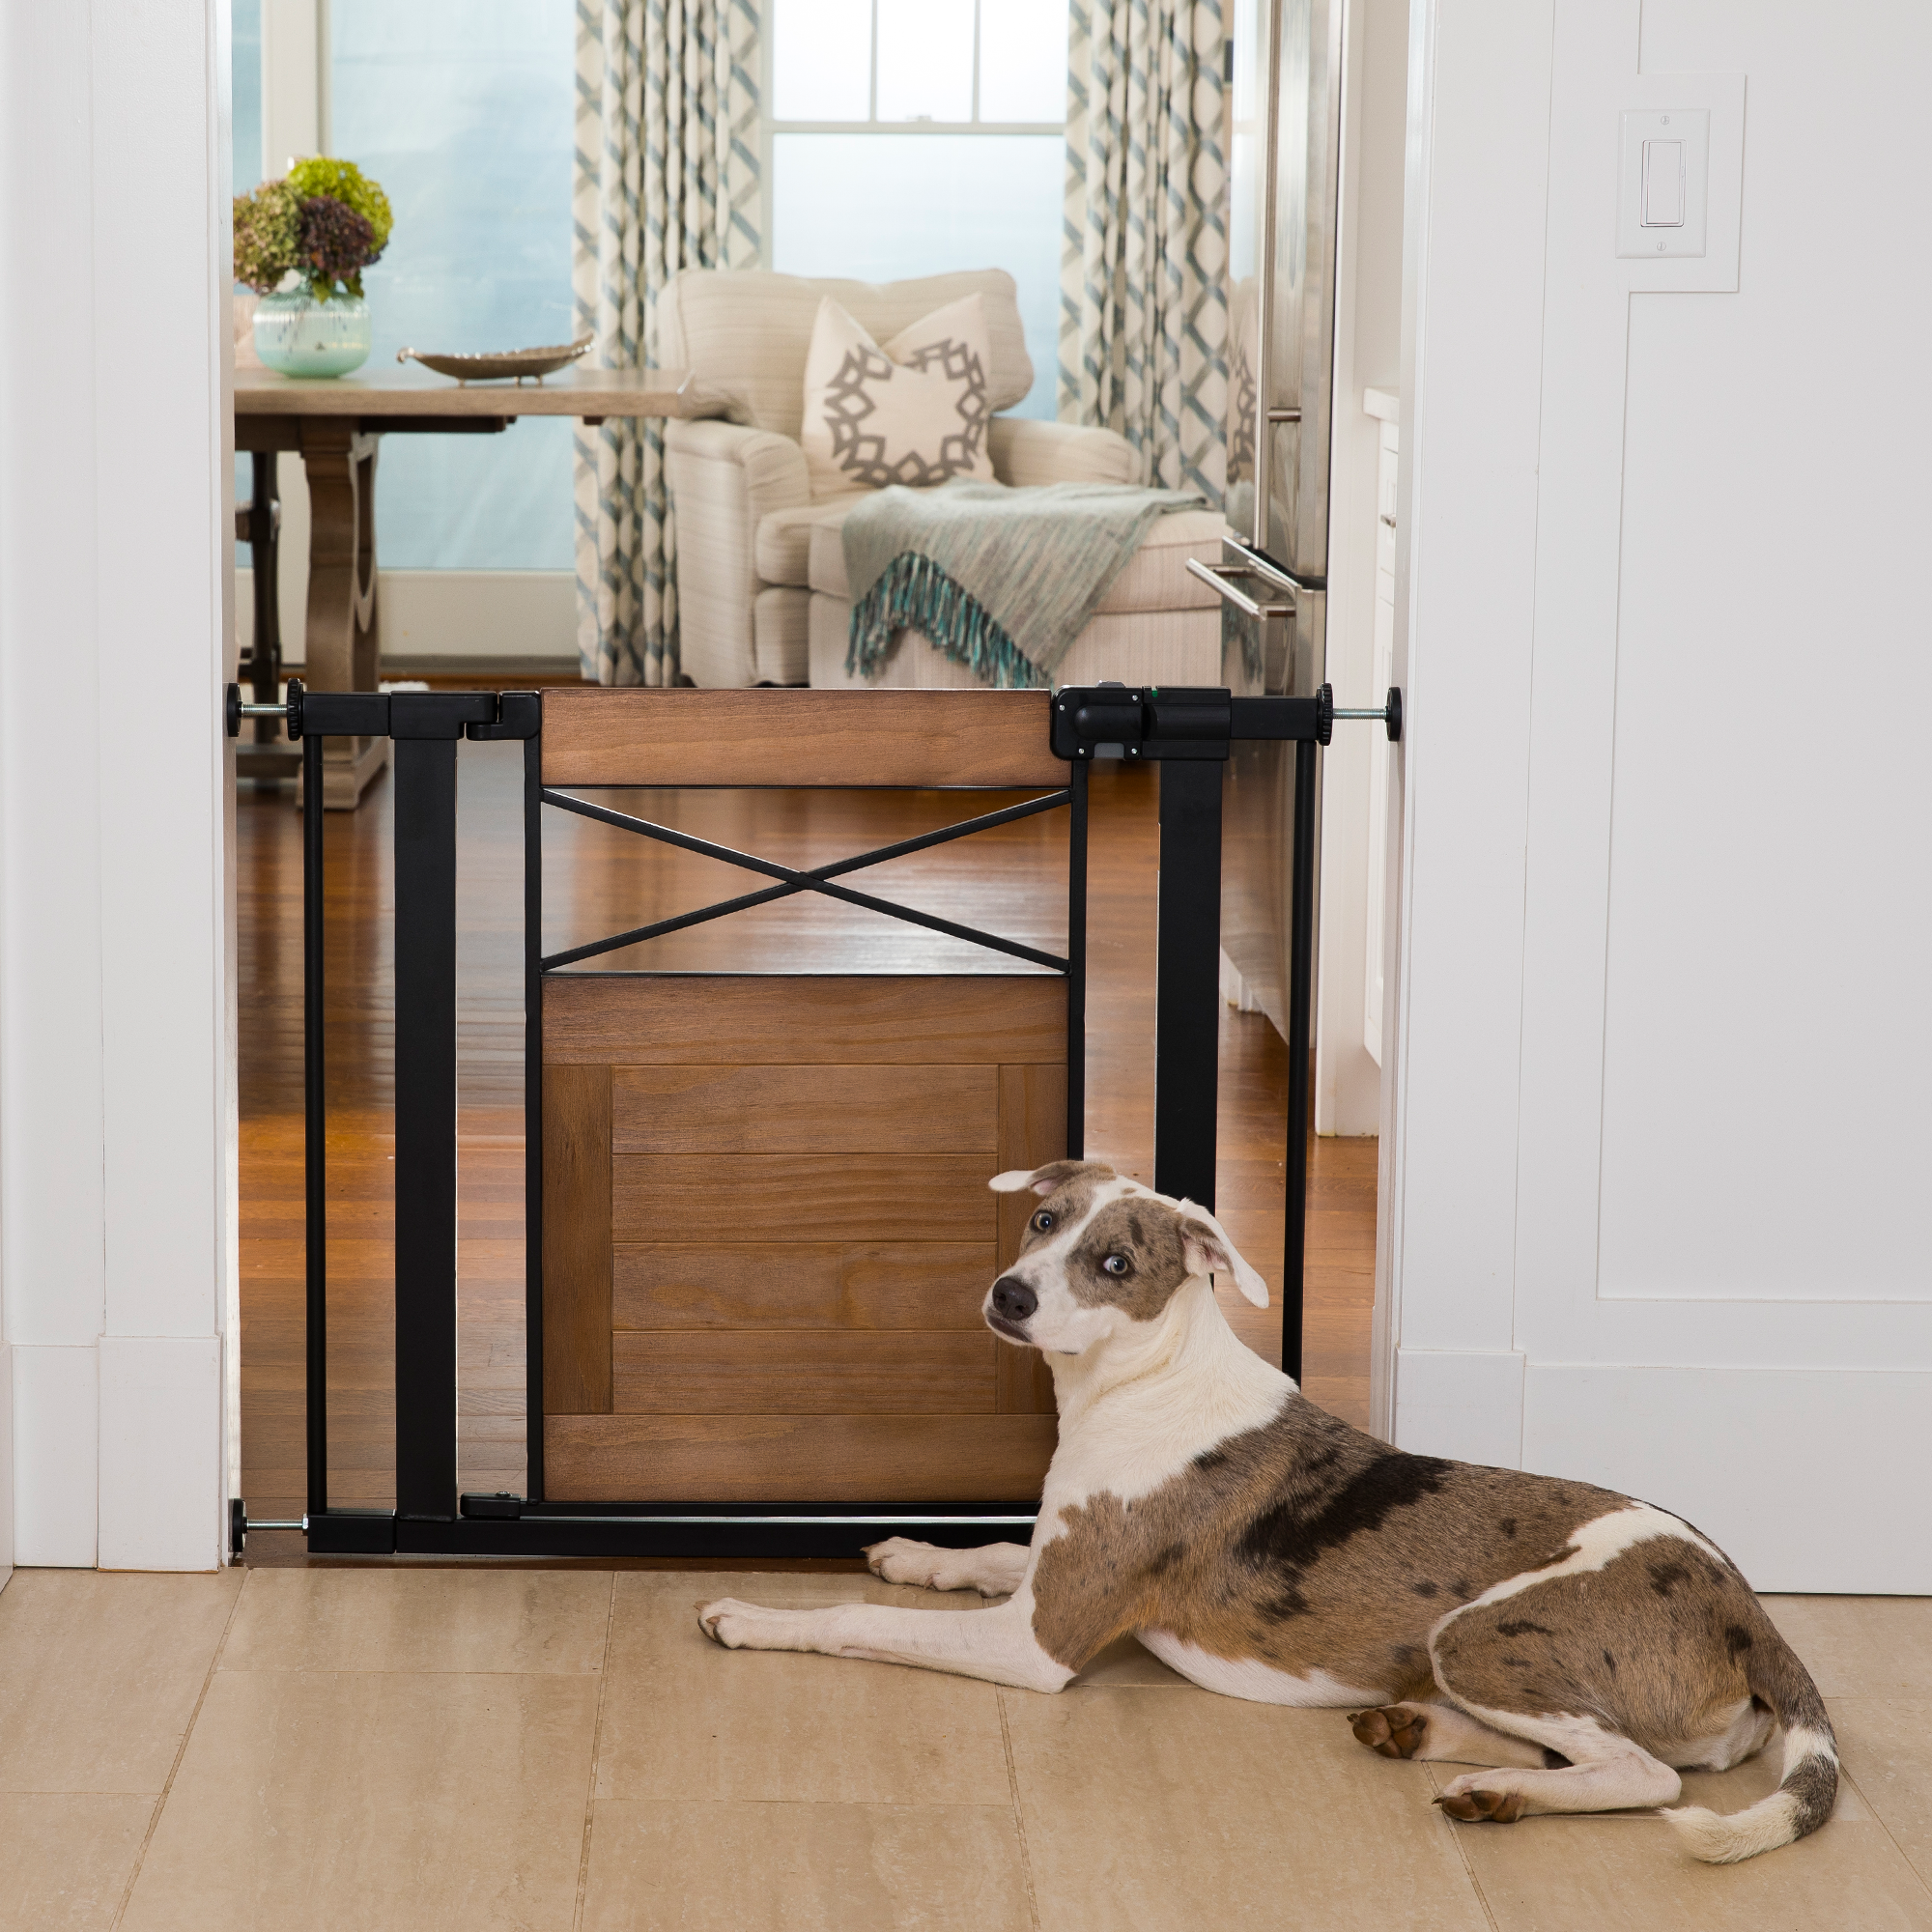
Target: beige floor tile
322	1801
1126	1665
1861	1646
1732	1790
1152	1813
738	1868
686	1719
1625	1873
550	1621
64	1858
100	1673
1886	1746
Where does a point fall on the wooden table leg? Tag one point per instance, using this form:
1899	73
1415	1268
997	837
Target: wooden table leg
265	516
267	753
344	647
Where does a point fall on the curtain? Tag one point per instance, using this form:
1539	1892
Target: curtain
666	176
1143	300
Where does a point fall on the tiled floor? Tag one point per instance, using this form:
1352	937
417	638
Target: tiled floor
349	1749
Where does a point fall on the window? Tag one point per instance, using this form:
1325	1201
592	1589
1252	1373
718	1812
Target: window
909	137
245	48
245	143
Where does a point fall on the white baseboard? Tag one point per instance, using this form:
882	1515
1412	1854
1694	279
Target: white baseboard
454	613
1809	1479
1716	1446
6	1463
1235	990
161	1453
1465	1405
56	1455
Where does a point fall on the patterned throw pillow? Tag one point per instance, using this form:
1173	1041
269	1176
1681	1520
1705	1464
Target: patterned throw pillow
914	412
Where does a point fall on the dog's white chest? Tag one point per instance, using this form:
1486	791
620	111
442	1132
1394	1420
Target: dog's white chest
1250	1678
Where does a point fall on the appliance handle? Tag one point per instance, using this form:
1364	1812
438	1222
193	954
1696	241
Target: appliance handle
1219	574
1268	53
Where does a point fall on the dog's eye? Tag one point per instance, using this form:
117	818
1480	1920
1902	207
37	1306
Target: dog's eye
1042	1220
1117	1265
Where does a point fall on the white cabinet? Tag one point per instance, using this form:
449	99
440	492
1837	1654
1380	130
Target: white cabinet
1384	407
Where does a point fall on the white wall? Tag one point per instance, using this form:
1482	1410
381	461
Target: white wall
1658	1084
117	1203
453	613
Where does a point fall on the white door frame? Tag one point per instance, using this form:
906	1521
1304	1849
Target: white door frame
117	1054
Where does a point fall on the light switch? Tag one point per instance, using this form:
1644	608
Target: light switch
1664	184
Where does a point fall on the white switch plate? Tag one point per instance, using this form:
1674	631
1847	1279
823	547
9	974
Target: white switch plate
1692	126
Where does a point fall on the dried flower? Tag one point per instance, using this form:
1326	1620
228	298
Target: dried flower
327	221
346	183
334	245
266	227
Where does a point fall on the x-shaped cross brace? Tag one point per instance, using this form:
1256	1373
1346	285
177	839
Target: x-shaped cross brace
817	880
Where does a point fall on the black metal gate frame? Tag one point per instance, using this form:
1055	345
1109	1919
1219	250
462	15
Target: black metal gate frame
1188	732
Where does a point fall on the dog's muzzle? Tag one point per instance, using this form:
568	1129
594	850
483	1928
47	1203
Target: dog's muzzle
1014	1303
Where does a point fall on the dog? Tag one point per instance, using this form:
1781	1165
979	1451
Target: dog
1581	1645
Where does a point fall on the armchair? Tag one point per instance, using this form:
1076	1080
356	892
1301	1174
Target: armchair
760	561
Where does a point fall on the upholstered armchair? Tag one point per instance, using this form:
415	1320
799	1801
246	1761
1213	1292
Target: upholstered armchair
760	563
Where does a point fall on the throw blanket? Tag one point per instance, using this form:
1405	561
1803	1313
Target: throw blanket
1001	580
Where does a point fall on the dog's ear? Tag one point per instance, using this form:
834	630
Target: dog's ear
1208	1251
1044	1179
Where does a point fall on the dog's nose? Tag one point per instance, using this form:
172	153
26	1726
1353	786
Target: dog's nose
1013	1299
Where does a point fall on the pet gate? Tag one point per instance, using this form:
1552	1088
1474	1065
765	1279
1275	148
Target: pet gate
830	1134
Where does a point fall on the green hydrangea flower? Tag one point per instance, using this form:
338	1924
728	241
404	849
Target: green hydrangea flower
327	221
268	226
346	183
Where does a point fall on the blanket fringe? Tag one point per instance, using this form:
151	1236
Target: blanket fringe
912	593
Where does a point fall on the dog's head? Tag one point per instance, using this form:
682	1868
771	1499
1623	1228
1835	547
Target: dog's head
1101	1254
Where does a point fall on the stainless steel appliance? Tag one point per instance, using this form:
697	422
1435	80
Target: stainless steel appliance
1284	174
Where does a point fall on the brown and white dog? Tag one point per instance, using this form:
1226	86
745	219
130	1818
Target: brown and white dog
1583	1644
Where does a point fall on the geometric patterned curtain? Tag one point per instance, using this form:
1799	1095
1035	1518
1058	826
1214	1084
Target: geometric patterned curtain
1144	256
666	176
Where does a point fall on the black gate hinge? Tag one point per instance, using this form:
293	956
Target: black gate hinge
503	1506
394	713
519	715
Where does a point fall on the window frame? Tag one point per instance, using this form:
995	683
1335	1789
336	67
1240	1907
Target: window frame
769	127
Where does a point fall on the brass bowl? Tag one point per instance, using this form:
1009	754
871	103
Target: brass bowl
517	362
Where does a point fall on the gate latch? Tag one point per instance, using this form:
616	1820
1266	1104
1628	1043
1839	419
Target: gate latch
1139	722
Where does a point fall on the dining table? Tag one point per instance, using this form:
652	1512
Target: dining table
336	424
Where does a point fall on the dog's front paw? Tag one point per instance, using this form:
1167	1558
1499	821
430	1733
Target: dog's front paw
1396	1731
731	1623
1465	1798
899	1559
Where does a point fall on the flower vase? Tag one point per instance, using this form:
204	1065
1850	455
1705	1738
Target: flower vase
303	335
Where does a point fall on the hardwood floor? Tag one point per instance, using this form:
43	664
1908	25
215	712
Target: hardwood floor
600	880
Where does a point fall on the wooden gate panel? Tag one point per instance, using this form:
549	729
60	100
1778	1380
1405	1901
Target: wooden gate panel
822	1285
675	737
677	1019
809	1372
855	1196
832	1459
794	1234
805	1109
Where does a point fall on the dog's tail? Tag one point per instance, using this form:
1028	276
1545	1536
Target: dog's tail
1809	1786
